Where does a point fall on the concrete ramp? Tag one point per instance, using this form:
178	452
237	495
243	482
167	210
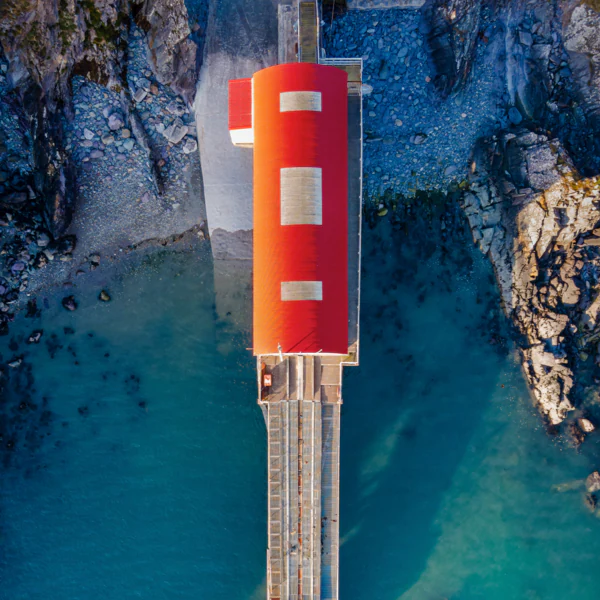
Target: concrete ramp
241	38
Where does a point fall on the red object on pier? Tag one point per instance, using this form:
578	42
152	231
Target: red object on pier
300	137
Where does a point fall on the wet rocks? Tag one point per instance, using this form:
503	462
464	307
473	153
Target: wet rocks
514	115
592	483
69	303
35	336
104	297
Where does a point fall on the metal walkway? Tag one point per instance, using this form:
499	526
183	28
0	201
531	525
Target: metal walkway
302	410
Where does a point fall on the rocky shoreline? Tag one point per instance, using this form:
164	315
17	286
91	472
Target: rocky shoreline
98	150
527	185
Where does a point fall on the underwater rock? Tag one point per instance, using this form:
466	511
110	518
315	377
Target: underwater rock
592	483
35	336
69	303
104	296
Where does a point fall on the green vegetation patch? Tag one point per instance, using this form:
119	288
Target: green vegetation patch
66	24
106	33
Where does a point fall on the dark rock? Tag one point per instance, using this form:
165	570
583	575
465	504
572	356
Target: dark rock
66	244
13	199
55	174
69	303
514	115
32	309
452	34
591	501
35	337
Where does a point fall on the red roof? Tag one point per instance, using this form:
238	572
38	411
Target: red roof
313	139
240	104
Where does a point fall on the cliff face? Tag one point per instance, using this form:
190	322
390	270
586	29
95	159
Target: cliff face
49	41
43	45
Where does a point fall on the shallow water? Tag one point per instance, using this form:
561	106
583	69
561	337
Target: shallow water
148	480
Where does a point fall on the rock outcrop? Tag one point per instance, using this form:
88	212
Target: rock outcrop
531	50
453	29
537	219
173	53
581	40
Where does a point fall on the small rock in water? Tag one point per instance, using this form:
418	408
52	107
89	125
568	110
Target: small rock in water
450	170
69	303
35	337
15	362
104	296
88	135
592	483
586	425
419	138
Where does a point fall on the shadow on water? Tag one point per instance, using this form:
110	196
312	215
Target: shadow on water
431	349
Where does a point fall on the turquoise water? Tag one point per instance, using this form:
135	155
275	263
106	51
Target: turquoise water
145	477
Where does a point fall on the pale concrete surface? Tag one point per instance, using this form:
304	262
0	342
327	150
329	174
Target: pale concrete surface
241	38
